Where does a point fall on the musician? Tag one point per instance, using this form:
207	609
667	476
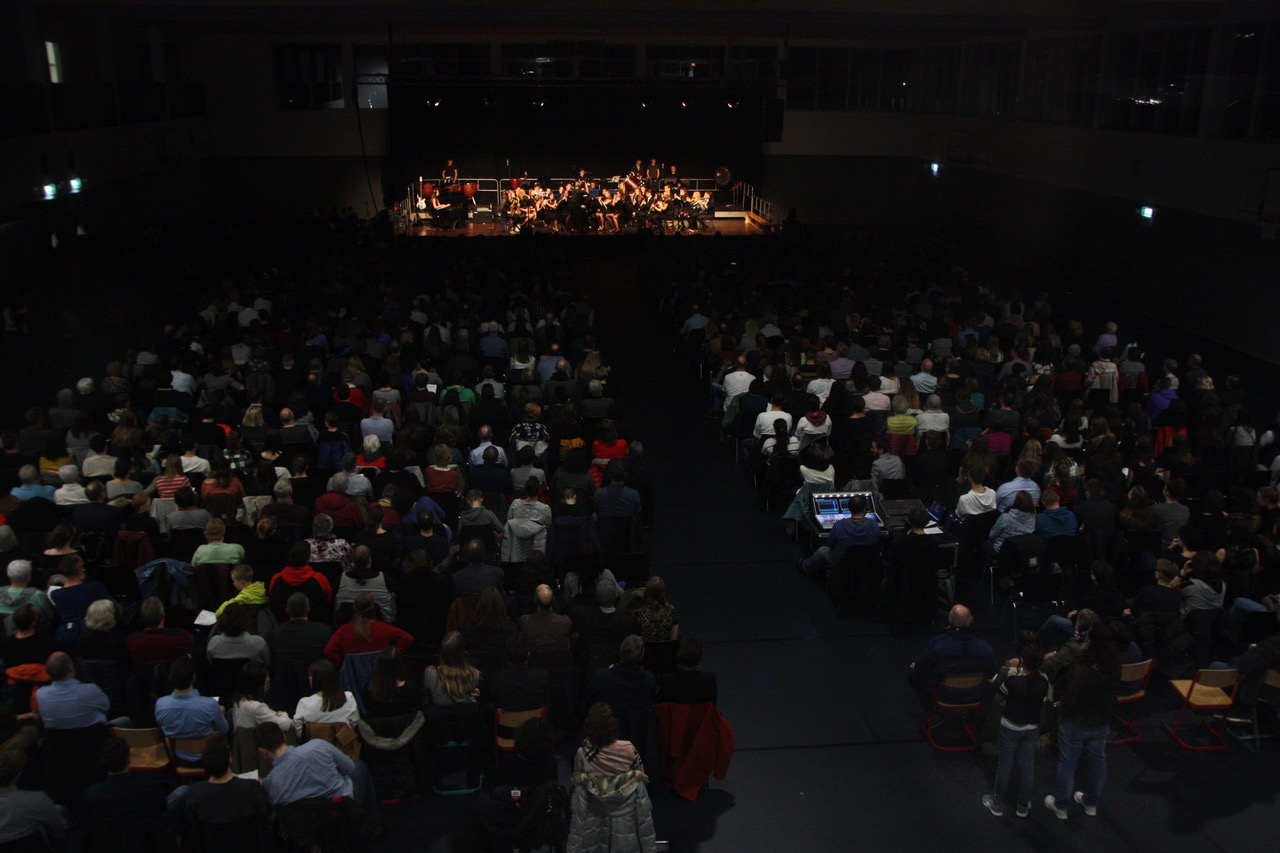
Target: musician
674	181
653	175
702	210
637	171
593	204
449	174
444	214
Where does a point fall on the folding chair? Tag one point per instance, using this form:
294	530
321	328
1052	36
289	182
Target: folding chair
1253	740
505	726
956	681
147	749
1131	672
1207	690
191	746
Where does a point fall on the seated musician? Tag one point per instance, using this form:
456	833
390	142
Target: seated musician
443	213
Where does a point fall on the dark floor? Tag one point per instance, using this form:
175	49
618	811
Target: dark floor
829	754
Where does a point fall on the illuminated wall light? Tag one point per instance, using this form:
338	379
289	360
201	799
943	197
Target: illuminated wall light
76	185
1146	212
50	192
934	167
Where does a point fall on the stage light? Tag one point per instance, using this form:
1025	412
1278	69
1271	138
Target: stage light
683	105
1146	212
934	167
76	185
50	192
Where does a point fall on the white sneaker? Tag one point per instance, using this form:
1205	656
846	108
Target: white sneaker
1091	811
1052	806
1023	809
993	805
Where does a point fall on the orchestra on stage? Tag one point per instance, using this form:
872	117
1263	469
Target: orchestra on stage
652	197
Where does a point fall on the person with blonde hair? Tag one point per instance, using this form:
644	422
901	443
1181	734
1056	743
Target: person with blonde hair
453	681
215	549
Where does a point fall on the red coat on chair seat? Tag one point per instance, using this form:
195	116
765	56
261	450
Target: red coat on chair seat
697	742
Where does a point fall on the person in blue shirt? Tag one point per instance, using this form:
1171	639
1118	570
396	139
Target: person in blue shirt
1055	519
1022	483
31	487
857	529
316	769
184	713
68	703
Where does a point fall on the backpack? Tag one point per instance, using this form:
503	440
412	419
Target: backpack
547	819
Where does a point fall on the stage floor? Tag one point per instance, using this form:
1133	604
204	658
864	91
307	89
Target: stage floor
729	227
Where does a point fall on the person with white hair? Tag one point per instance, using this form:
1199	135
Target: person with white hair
71	492
20	591
30	485
63	415
933	419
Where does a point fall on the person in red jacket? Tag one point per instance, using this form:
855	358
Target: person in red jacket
365	633
298	576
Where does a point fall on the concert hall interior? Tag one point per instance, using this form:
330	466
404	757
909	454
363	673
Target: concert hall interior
1122	157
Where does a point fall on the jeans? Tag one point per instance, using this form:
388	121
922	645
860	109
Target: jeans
364	795
1017	748
1056	630
820	560
1241	609
1074	744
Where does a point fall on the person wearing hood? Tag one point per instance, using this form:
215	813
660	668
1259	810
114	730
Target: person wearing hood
249	592
298	576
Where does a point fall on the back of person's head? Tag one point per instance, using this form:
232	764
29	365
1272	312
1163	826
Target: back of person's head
60	666
215	760
234	620
26	617
1086	621
114	755
631	652
1177	488
251	682
1032	656
616	470
473	551
690	654
101	615
20	572
151	612
1022	501
1050	499
858	505
918	519
1027	468
267	737
324	683
297	605
299	554
601	726
215	528
182	673
184	498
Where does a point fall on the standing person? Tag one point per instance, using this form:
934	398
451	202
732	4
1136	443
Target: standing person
1024	690
1088	694
610	808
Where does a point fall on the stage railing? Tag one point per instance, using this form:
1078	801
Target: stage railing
744	196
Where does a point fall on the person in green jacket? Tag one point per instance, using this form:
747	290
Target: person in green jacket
249	592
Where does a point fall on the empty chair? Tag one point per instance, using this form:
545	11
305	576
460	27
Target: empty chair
1128	696
1210	690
